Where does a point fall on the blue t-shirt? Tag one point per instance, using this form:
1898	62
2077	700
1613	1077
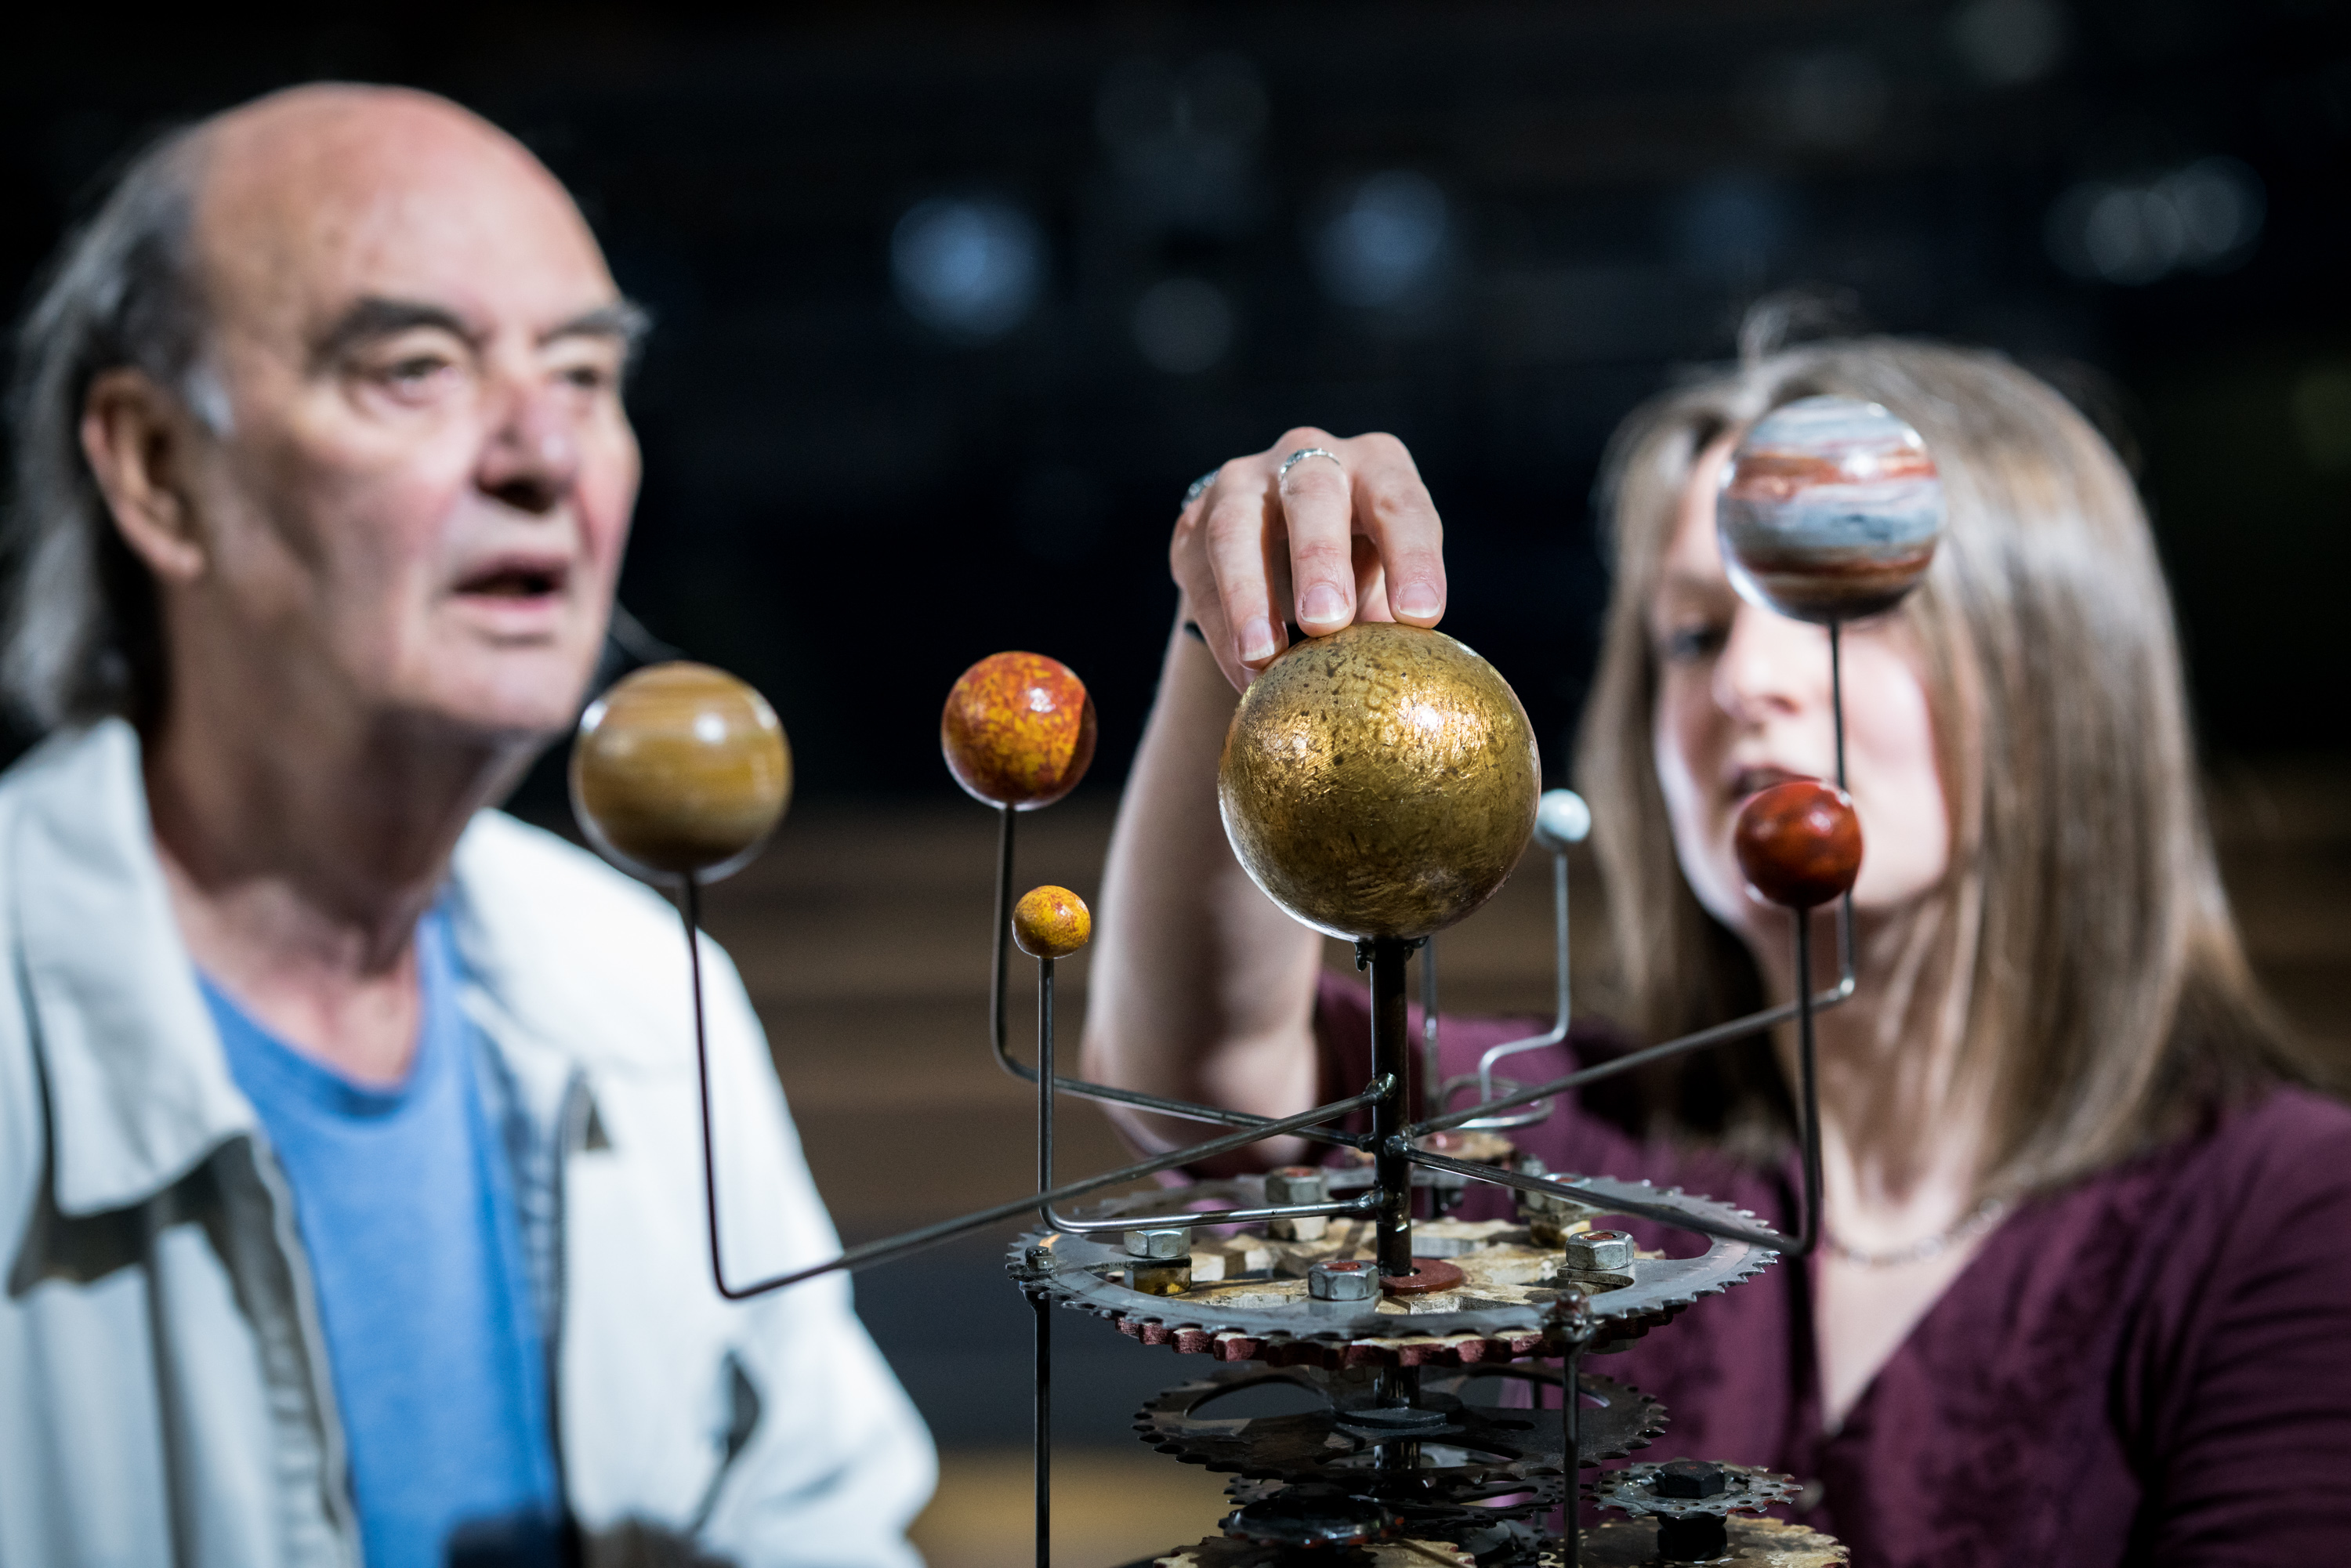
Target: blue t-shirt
406	1208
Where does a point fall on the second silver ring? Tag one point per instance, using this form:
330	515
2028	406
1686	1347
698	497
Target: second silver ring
1301	455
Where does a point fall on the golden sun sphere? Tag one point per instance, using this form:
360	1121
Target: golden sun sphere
1051	922
1379	782
680	769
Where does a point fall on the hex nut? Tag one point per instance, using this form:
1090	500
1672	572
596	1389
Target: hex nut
1689	1479
1151	1278
1599	1253
1160	1244
1343	1280
1296	1184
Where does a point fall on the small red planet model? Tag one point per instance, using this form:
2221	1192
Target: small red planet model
1799	842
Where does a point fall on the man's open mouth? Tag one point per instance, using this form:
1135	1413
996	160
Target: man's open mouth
514	580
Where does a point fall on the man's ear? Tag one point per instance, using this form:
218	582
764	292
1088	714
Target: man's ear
137	438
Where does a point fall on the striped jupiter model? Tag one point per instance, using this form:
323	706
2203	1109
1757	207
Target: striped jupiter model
1830	510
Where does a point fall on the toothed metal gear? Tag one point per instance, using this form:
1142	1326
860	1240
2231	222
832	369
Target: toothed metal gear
1464	1452
1510	1531
1249	1302
1634	1490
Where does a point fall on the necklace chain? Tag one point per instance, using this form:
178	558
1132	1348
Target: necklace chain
1970	1225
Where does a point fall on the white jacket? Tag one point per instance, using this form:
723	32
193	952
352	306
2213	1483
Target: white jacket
164	1397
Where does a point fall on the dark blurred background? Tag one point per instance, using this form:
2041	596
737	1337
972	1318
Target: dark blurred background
953	302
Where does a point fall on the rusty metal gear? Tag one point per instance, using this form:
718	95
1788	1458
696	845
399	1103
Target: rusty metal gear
1460	1452
1248	1300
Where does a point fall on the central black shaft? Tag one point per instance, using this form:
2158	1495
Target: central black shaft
1391	1060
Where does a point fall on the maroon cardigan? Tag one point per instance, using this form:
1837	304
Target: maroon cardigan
2152	1366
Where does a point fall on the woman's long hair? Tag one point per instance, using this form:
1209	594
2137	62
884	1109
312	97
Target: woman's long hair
2083	951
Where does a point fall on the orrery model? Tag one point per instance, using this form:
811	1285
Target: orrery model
1379	785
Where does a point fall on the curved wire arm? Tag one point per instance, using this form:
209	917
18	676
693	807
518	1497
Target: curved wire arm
1183	1109
1539	1110
1557	1033
893	1247
1367	1203
1717	1034
1808	1098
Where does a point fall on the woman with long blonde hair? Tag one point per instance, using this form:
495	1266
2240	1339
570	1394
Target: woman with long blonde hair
2085	1280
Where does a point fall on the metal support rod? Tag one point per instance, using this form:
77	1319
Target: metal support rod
1394	1461
889	1247
1716	1034
1432	1072
1392	1061
1043	1408
1609	1203
1045	1051
1808	1086
1836	694
1539	1110
1836	714
1002	952
1808	1102
1557	1033
1367	1203
1183	1109
1571	1453
1044	1427
1045	1080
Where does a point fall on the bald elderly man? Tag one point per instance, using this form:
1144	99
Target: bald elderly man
348	1164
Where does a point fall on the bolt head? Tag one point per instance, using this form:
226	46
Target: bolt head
1689	1479
1600	1251
1160	1244
1345	1281
1296	1184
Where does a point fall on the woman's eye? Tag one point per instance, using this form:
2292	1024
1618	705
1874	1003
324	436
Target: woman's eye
1698	641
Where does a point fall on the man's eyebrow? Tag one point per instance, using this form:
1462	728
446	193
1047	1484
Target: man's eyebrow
623	320
376	317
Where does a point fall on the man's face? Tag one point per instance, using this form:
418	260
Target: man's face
419	505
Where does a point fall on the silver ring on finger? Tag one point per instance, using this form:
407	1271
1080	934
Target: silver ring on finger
1301	455
1199	486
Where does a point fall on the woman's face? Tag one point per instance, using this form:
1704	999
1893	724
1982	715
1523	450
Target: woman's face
1743	703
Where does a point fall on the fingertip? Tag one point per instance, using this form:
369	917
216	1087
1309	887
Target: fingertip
1323	609
1257	645
1417	602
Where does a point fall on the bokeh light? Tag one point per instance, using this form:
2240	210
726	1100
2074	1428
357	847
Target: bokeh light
1386	242
970	269
2204	218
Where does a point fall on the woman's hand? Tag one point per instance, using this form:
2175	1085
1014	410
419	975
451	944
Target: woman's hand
1344	534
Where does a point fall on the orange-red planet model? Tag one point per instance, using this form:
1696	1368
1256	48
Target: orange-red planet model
1018	730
